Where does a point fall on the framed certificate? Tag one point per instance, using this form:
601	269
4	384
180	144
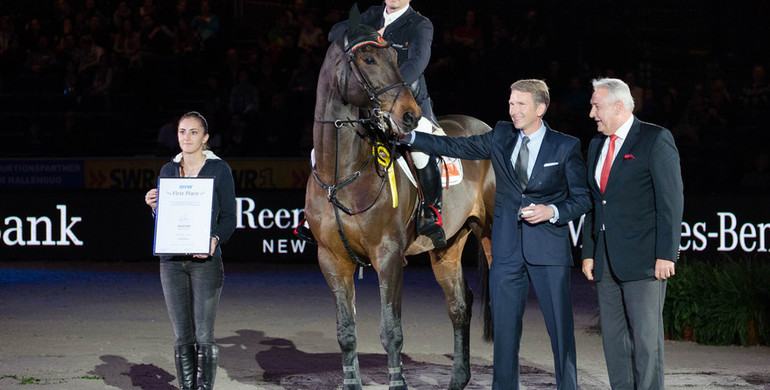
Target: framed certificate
183	216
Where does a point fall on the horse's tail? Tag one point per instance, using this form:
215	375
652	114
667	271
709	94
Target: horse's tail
483	275
486	307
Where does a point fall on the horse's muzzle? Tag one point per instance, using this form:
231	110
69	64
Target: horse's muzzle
409	120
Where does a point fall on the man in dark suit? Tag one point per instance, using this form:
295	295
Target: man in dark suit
631	239
411	34
541	186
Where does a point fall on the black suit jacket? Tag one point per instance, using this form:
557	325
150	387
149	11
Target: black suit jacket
558	178
411	35
641	208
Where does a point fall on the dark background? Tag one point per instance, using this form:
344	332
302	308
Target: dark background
691	64
696	67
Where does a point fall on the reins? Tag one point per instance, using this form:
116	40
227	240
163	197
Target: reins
333	189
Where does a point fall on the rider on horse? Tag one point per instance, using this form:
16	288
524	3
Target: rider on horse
411	34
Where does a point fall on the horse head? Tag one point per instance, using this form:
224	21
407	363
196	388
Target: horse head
378	86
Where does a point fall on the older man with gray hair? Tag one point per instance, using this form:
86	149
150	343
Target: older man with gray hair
631	238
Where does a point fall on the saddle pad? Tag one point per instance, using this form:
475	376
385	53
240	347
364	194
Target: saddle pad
451	167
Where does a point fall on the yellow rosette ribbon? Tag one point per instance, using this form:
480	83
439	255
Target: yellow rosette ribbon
383	158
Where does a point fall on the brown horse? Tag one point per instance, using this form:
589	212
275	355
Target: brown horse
361	103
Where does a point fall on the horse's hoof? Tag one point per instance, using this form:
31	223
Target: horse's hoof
454	385
396	380
352	385
460	377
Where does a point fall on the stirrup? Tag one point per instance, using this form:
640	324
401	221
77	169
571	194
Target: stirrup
434	229
303	232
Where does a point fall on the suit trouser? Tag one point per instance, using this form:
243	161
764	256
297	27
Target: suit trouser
631	315
509	280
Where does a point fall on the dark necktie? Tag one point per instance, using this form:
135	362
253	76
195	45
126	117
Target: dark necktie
607	163
522	162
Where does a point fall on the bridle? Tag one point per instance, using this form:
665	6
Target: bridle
375	131
376	40
377	116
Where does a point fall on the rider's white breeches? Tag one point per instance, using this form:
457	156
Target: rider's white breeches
421	159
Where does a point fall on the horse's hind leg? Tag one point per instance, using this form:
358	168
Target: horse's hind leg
448	270
391	275
339	276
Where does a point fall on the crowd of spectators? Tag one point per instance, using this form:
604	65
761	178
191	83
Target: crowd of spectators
76	75
107	77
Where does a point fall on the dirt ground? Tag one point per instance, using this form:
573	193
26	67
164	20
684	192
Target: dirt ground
103	325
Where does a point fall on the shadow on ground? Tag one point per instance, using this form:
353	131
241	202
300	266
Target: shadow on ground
119	372
281	363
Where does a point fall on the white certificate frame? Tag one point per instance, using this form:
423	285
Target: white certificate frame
183	216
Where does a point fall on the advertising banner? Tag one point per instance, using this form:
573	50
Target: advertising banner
141	174
31	174
122	174
104	225
118	226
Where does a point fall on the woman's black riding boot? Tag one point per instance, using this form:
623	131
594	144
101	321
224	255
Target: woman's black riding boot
185	357
430	181
207	366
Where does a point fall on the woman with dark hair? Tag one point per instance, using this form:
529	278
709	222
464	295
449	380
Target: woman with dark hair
192	284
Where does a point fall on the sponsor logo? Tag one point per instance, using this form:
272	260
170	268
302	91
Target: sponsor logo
248	217
40	231
729	236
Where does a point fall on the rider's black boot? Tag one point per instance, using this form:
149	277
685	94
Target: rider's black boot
303	231
430	181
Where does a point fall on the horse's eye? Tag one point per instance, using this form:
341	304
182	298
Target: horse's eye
370	60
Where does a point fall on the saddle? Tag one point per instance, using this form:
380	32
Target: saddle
451	167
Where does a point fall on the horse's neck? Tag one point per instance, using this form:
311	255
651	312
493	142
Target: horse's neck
328	141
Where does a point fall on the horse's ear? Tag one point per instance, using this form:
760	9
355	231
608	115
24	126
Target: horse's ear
354	20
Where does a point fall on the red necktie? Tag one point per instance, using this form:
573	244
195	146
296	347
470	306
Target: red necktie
607	163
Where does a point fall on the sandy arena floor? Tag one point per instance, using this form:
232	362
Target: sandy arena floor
104	326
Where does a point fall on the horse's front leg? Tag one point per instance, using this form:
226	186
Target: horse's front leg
391	275
447	268
339	276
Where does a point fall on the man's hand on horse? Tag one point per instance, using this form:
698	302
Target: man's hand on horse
405	139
